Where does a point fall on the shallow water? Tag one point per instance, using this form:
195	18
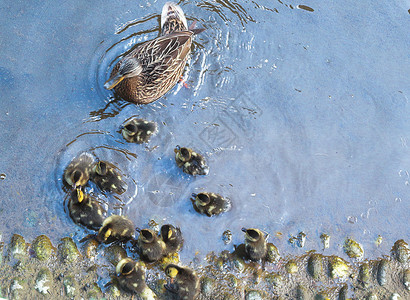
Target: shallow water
302	116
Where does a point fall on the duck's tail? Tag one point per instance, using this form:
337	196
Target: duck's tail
172	19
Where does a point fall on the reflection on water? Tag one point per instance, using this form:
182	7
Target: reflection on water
300	113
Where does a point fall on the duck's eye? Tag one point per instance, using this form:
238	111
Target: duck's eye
253	234
203	198
147	235
77	176
130	127
127	268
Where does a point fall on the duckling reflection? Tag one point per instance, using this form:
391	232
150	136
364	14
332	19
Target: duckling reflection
131	278
151	248
115	228
138	130
184	283
255	244
210	203
107	178
191	162
154	67
85	210
78	171
172	237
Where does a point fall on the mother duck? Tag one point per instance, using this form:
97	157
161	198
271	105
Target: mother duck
154	67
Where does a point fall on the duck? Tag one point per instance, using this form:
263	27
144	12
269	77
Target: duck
184	283
138	130
106	177
210	203
255	244
190	161
172	237
151	247
131	278
115	228
78	171
154	67
85	210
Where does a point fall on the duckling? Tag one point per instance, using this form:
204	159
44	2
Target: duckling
85	210
172	238
138	130
78	171
255	244
191	162
210	203
115	228
131	278
184	283
150	247
107	178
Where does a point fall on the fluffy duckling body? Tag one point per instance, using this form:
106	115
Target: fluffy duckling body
172	237
131	278
210	203
191	162
85	210
151	247
184	283
107	178
115	228
154	67
138	130
255	244
78	170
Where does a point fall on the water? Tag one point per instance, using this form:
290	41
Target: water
302	116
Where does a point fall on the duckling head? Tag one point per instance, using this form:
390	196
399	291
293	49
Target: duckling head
183	154
147	236
78	177
168	232
252	234
129	130
104	233
172	270
77	195
101	168
202	199
125	266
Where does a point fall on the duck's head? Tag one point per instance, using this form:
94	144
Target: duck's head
202	199
171	270
129	130
78	178
147	236
183	154
168	232
252	234
101	168
125	266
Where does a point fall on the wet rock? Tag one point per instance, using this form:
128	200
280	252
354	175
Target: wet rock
114	254
253	295
291	267
322	296
274	279
239	264
231	280
315	266
42	247
18	246
70	287
272	254
207	286
353	249
68	251
395	296
338	267
364	274
379	240
227	237
325	240
90	249
94	292
401	251
114	291
406	279
17	289
382	272
43	281
343	293
301	239
159	287
371	296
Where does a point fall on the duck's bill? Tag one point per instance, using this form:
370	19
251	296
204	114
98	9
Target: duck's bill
113	81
